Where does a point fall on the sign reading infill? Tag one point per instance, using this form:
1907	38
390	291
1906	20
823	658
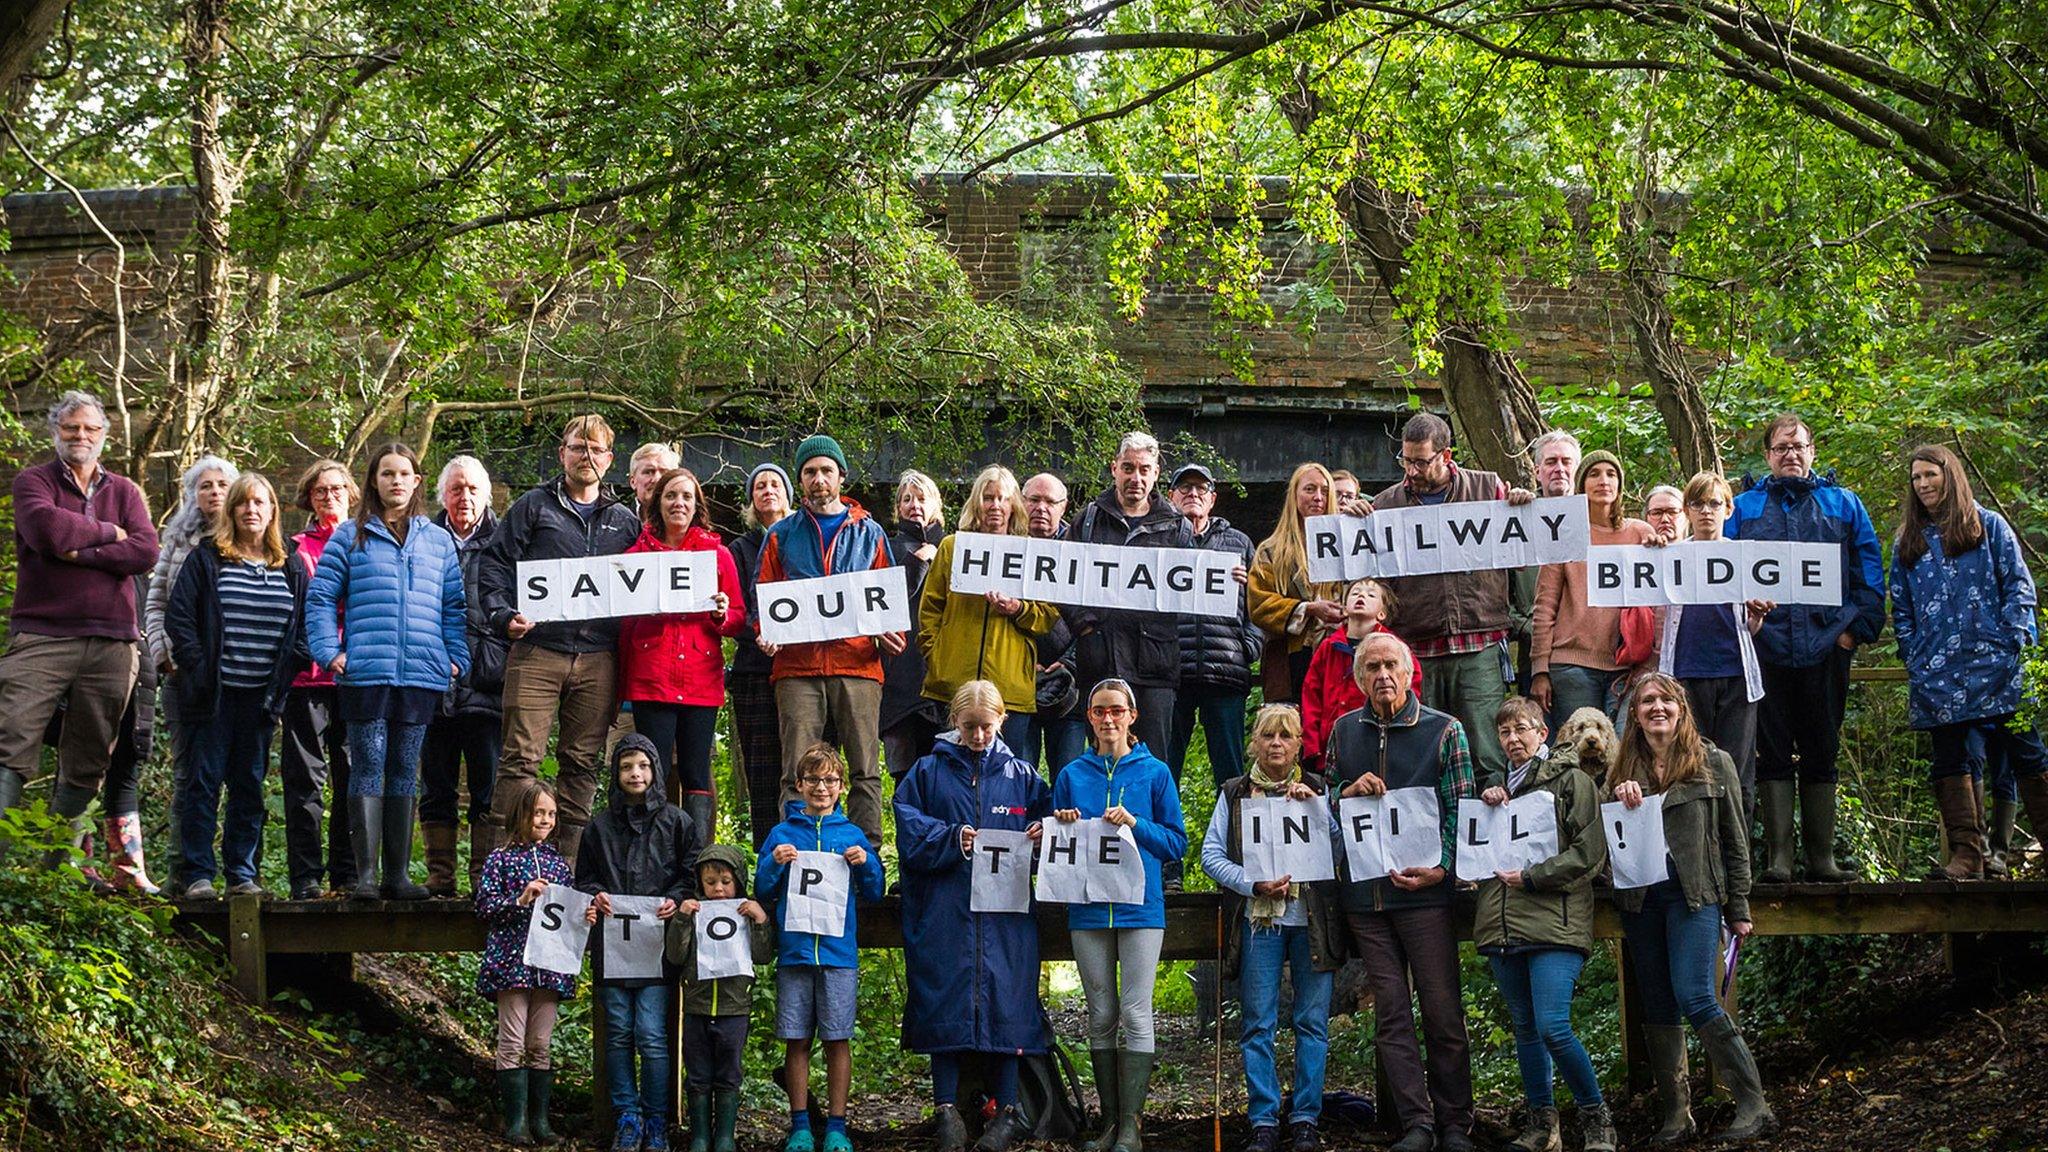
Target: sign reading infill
1185	581
1428	539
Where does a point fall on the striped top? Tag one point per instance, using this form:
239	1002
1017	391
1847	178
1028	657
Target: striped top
255	608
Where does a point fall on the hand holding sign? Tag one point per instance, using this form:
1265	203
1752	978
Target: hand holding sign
1506	838
1635	841
871	602
724	946
1089	862
816	902
632	938
1391	832
1287	838
1002	872
597	587
557	934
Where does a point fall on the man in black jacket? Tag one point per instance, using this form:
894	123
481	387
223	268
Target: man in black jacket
1216	652
566	670
469	727
1142	648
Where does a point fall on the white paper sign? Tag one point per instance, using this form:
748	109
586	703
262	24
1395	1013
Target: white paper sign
633	938
1713	572
724	946
1389	833
1283	837
1002	872
816	899
865	603
1188	581
1090	861
596	587
1467	536
1507	838
557	935
1635	841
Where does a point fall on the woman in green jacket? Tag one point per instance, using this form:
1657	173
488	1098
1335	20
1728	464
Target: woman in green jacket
1534	925
1673	927
989	636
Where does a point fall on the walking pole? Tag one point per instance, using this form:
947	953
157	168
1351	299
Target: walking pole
1216	1089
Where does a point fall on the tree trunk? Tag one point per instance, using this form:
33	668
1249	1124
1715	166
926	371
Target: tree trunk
1646	274
210	335
24	28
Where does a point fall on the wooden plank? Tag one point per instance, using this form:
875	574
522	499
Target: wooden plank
246	948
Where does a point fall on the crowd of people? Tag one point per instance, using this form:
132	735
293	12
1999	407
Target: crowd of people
391	649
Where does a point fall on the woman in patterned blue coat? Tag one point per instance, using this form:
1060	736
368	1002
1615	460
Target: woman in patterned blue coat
973	975
516	875
1963	608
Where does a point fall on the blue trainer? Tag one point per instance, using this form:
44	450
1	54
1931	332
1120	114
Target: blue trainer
627	1138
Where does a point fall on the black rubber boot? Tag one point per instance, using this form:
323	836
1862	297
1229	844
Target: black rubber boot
1103	1061
540	1084
949	1131
1002	1133
1674	1088
1817	832
398	830
1737	1066
1997	861
1133	1084
1774	804
366	840
512	1102
700	1121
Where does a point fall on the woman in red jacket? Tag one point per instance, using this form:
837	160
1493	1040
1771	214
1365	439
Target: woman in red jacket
673	667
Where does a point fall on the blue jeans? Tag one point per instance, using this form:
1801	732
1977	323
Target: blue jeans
1538	988
1265	954
636	1020
231	749
1677	955
1222	729
1989	747
1053	743
384	758
1573	688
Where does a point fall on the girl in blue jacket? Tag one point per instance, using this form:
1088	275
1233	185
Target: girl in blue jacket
973	975
397	578
1122	782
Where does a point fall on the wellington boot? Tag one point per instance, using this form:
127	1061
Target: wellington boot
124	854
440	840
1134	1083
2034	798
1998	855
700	1121
540	1083
1956	797
725	1119
1817	834
398	829
512	1102
703	810
568	837
1104	1063
366	844
1737	1068
949	1131
1774	804
68	803
483	840
1674	1089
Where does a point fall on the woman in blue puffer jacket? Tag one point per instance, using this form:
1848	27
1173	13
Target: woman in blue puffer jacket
397	577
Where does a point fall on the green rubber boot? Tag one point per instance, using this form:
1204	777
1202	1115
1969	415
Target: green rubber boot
725	1119
540	1083
1104	1063
700	1122
512	1102
1133	1084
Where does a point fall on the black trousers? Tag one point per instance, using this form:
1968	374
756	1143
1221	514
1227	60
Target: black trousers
712	1048
1799	720
683	734
312	755
471	739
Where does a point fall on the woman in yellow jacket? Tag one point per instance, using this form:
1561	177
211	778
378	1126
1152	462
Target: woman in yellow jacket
983	637
1294	614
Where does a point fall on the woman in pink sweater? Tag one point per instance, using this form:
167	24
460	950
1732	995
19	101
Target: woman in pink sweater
1573	656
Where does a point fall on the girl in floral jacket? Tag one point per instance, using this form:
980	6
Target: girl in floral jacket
515	876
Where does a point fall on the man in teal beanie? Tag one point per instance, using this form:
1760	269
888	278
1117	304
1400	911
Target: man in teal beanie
822	445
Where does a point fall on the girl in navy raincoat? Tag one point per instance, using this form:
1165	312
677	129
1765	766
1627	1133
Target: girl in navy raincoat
973	975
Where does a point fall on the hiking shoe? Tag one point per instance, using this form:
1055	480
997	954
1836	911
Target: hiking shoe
1265	1138
626	1138
1306	1138
246	888
308	890
654	1138
201	890
1002	1132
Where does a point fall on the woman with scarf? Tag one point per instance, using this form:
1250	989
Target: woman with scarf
1285	926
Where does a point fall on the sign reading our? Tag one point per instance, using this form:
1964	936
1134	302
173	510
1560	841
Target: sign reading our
1392	832
1089	862
1002	872
1185	581
1506	837
1463	537
865	603
556	935
1286	838
594	587
818	886
724	946
1713	572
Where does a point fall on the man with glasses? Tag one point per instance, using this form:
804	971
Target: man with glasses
1216	652
1557	454
1457	623
81	536
1058	733
1805	649
564	670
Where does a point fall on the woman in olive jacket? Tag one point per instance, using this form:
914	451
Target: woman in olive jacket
1534	925
1673	927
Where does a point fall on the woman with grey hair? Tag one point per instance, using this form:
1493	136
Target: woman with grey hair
205	490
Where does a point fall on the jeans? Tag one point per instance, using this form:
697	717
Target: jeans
1573	687
636	1020
1538	988
1222	718
231	749
1676	953
452	742
1054	743
1966	748
384	758
1265	955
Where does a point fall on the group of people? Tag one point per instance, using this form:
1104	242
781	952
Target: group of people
392	648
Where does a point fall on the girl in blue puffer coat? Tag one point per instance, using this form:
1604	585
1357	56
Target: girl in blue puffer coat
973	975
397	577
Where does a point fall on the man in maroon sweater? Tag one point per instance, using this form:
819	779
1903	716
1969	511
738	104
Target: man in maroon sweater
81	534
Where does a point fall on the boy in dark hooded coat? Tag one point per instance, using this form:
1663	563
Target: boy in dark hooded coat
640	845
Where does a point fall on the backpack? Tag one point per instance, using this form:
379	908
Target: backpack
1049	1096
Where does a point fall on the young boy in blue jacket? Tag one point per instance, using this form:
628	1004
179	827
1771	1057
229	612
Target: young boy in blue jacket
817	977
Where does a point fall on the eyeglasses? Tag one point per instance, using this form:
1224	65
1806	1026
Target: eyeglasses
1108	711
1411	464
331	490
81	429
1707	505
587	449
1789	449
819	781
1193	489
1518	729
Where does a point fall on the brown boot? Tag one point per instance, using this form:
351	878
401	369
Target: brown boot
2034	798
440	840
483	840
1956	796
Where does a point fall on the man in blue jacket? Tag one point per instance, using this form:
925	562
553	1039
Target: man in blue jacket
1805	649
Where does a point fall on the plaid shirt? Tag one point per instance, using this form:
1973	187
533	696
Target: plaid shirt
1454	782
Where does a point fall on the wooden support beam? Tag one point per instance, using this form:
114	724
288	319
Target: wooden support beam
246	951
